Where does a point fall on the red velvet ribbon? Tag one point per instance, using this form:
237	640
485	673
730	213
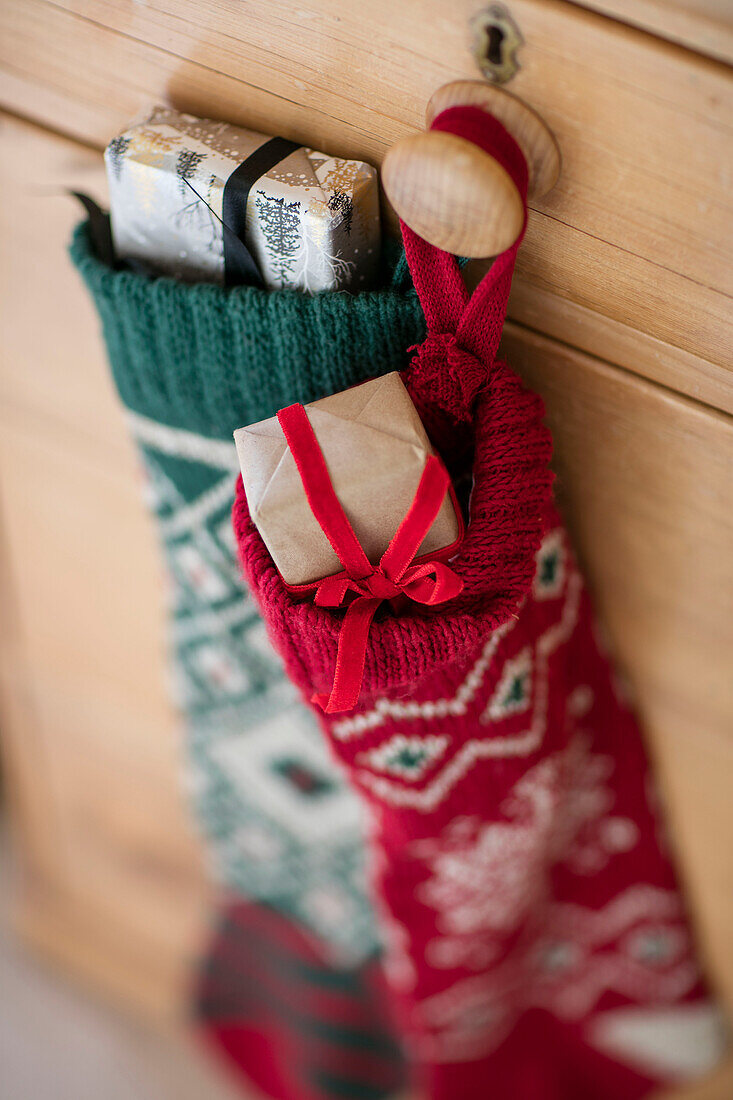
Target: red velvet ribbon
476	321
365	585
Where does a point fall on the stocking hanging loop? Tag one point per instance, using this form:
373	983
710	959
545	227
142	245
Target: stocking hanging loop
464	331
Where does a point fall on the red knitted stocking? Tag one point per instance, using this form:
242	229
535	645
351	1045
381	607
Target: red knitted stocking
536	942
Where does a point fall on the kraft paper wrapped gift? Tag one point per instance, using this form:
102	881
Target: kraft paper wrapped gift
375	448
184	191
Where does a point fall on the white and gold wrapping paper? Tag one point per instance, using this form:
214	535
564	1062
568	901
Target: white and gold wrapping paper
312	221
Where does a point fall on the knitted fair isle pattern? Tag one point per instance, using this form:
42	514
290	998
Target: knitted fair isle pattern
192	363
538	945
281	824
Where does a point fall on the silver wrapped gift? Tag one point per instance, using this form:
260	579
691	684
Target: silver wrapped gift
184	192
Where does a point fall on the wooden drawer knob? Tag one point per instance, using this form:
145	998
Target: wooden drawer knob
454	194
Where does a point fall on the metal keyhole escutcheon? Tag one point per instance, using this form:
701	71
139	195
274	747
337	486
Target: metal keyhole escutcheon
495	41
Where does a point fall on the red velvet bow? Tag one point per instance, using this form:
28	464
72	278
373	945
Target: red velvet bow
398	574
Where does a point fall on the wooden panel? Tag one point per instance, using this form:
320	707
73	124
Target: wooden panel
704	25
621	343
636	232
114	884
647	478
101	757
646	482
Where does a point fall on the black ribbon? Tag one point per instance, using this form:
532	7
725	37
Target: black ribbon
100	229
239	264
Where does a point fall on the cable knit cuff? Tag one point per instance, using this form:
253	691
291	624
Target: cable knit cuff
210	359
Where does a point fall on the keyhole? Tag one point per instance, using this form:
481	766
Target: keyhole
493	49
496	39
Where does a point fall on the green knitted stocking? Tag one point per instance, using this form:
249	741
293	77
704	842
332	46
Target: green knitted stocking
191	364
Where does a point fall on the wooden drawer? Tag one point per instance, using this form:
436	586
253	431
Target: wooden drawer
620	316
114	886
703	25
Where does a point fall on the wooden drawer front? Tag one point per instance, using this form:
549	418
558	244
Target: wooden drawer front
637	231
703	25
114	882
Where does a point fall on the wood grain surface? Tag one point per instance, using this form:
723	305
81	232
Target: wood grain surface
636	231
704	25
114	886
645	479
452	194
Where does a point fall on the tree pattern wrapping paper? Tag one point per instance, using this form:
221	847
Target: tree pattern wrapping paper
312	221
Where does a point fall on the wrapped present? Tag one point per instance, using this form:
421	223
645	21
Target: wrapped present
207	201
377	459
